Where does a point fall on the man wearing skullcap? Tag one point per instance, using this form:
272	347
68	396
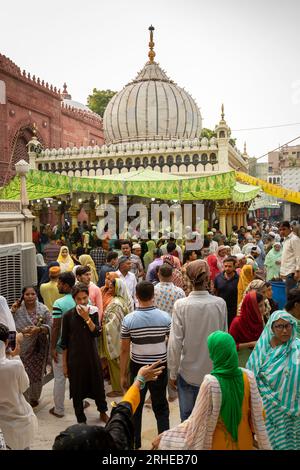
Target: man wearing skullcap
213	245
194	318
49	290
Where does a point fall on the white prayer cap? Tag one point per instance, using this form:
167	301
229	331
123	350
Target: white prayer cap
136	246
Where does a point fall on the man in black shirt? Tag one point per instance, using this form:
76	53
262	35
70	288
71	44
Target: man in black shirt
226	287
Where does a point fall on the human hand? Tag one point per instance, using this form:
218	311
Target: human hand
151	372
16	351
83	311
15	306
173	383
65	370
31	330
156	442
54	355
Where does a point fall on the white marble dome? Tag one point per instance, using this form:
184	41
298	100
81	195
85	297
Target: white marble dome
151	107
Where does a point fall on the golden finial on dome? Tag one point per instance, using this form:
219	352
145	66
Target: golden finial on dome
245	147
34	130
151	53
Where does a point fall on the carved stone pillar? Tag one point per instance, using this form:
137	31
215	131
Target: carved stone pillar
73	211
229	223
222	218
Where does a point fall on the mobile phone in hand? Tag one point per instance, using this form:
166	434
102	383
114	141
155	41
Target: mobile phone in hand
11	340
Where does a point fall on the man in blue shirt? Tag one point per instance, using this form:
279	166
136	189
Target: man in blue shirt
146	330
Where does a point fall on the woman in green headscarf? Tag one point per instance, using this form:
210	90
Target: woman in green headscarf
149	256
228	409
273	261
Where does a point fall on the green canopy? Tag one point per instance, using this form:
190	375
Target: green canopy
143	183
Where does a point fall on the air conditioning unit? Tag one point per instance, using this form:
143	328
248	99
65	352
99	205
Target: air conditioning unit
17	269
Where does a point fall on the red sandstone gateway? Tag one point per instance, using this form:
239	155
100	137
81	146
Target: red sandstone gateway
25	101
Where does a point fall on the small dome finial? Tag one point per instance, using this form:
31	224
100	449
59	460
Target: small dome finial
151	53
34	129
222	112
65	95
245	148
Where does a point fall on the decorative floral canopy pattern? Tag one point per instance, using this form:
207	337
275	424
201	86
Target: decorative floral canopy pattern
143	183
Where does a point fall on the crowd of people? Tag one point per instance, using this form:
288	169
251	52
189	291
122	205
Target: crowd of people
197	324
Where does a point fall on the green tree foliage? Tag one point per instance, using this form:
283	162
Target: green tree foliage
98	101
208	133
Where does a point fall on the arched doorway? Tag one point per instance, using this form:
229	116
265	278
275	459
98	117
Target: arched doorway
18	147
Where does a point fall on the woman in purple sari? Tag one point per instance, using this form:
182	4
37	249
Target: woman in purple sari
33	319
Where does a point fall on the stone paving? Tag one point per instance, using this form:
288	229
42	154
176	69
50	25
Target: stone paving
50	426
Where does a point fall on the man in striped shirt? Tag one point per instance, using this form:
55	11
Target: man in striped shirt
146	329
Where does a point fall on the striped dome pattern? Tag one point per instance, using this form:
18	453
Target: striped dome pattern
151	107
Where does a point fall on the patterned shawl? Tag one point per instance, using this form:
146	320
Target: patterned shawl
277	369
120	305
22	318
107	296
197	432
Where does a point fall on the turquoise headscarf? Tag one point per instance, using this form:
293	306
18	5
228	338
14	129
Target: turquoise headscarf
222	351
277	370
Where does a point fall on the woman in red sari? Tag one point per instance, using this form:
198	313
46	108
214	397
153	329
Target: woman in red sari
248	326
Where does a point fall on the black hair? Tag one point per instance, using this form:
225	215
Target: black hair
157	252
206	243
286	224
187	255
80	251
79	288
84	437
234	228
268	284
111	255
82	270
126	242
98	242
145	291
259	297
165	270
4	332
171	246
230	259
25	289
67	278
292	298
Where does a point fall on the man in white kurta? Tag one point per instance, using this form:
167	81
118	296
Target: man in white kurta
17	419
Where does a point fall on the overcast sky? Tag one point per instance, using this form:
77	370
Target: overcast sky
244	53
